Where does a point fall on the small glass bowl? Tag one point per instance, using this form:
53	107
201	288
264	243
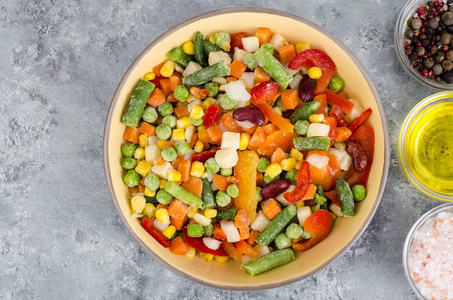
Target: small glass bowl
401	25
408	164
410	236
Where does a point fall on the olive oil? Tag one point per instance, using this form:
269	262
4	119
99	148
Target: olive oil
429	147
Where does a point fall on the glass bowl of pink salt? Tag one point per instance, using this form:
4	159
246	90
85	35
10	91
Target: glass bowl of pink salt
428	254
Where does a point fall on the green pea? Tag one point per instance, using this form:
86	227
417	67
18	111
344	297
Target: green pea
227	103
170	121
213	88
169	154
150	115
250	62
258	194
282	241
128	150
306	235
233	190
301	127
211	165
181	93
165	109
163	131
208	230
320	200
196	122
182	147
263	163
222	199
336	84
279	104
163	197
358	192
291	176
128	163
195	230
268	179
315	208
152	182
132	178
226	171
220	38
293	231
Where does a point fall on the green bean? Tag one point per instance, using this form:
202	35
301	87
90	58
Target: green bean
152	200
132	178
208	230
198	48
291	176
306	235
209	47
228	214
304	112
207	195
180	57
128	150
359	192
320	200
250	62
268	47
273	67
320	191
128	163
276	225
137	104
346	198
336	84
163	197
207	74
195	230
315	208
301	127
183	195
312	143
268	261
282	241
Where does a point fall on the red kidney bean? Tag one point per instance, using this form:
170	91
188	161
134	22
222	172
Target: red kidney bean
274	188
249	114
307	87
359	159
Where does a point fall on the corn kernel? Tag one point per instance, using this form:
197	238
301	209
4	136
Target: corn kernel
316	118
300	203
222	88
174	175
162	215
210	213
143	140
167	69
288	164
244	141
169	231
183	123
149	193
139	153
161	144
149	210
298	164
188	47
208	102
162	184
143	168
138	204
207	257
334	216
315	72
190	98
197	169
191	211
273	170
198	147
191	252
221	259
296	154
196	112
212	39
149	76
302	47
178	135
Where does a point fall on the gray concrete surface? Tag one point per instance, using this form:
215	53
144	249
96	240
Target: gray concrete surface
60	236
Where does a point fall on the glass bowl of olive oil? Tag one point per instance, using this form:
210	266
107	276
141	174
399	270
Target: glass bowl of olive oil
426	146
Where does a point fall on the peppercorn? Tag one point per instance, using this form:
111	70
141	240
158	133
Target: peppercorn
450	8
428	62
447	18
446	38
433	23
420	51
409	33
437	69
425	43
447	65
433	49
450	55
448	77
416	24
429	31
439	57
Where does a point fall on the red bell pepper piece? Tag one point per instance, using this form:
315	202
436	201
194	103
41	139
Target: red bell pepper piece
364	135
264	92
157	80
236	40
337	114
204	156
303	182
317	58
345	105
357	122
199	245
333	196
318	224
212	115
333	128
147	224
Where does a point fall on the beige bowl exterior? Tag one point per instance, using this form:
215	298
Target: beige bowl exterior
358	85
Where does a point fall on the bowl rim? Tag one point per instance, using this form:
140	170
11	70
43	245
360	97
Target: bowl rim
261	10
406	12
415	112
410	236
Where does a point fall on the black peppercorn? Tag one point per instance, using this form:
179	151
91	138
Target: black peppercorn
439	57
428	62
437	69
409	33
429	31
448	77
450	55
416	24
425	43
446	38
447	65
420	51
447	18
433	23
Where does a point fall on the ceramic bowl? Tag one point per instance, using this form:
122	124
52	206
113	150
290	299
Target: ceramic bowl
358	85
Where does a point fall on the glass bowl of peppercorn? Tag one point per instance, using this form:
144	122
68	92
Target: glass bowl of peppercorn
424	42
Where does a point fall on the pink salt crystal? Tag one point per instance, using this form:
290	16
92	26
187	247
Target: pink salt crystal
430	260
